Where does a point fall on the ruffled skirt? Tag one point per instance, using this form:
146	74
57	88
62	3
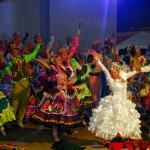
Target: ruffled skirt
58	109
84	95
6	112
114	115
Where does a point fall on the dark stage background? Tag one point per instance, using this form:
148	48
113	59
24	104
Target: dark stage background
99	17
61	16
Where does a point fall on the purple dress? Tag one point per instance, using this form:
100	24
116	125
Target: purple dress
59	104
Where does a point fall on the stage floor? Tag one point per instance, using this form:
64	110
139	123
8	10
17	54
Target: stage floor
38	137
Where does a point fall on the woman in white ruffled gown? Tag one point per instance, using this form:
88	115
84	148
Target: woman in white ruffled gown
115	113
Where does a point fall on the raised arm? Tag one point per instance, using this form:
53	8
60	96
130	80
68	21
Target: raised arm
31	56
79	28
43	63
116	54
125	75
75	42
50	43
107	74
74	46
145	69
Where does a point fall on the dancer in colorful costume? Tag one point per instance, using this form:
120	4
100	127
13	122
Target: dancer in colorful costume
59	106
6	113
21	84
6	83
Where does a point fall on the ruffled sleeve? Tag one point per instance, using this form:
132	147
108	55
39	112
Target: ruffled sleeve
84	72
125	75
75	64
145	69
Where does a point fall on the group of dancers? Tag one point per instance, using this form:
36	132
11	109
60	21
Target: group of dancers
66	89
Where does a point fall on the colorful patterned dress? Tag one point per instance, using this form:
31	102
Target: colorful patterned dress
36	90
59	104
80	84
6	111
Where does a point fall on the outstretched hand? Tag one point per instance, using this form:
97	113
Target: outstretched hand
79	28
115	51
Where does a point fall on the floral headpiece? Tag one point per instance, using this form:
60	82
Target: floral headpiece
115	65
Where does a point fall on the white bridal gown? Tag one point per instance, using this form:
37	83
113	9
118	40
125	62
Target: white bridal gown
115	112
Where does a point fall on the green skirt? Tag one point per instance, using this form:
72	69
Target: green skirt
6	111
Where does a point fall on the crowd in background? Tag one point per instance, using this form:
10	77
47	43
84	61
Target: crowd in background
64	80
